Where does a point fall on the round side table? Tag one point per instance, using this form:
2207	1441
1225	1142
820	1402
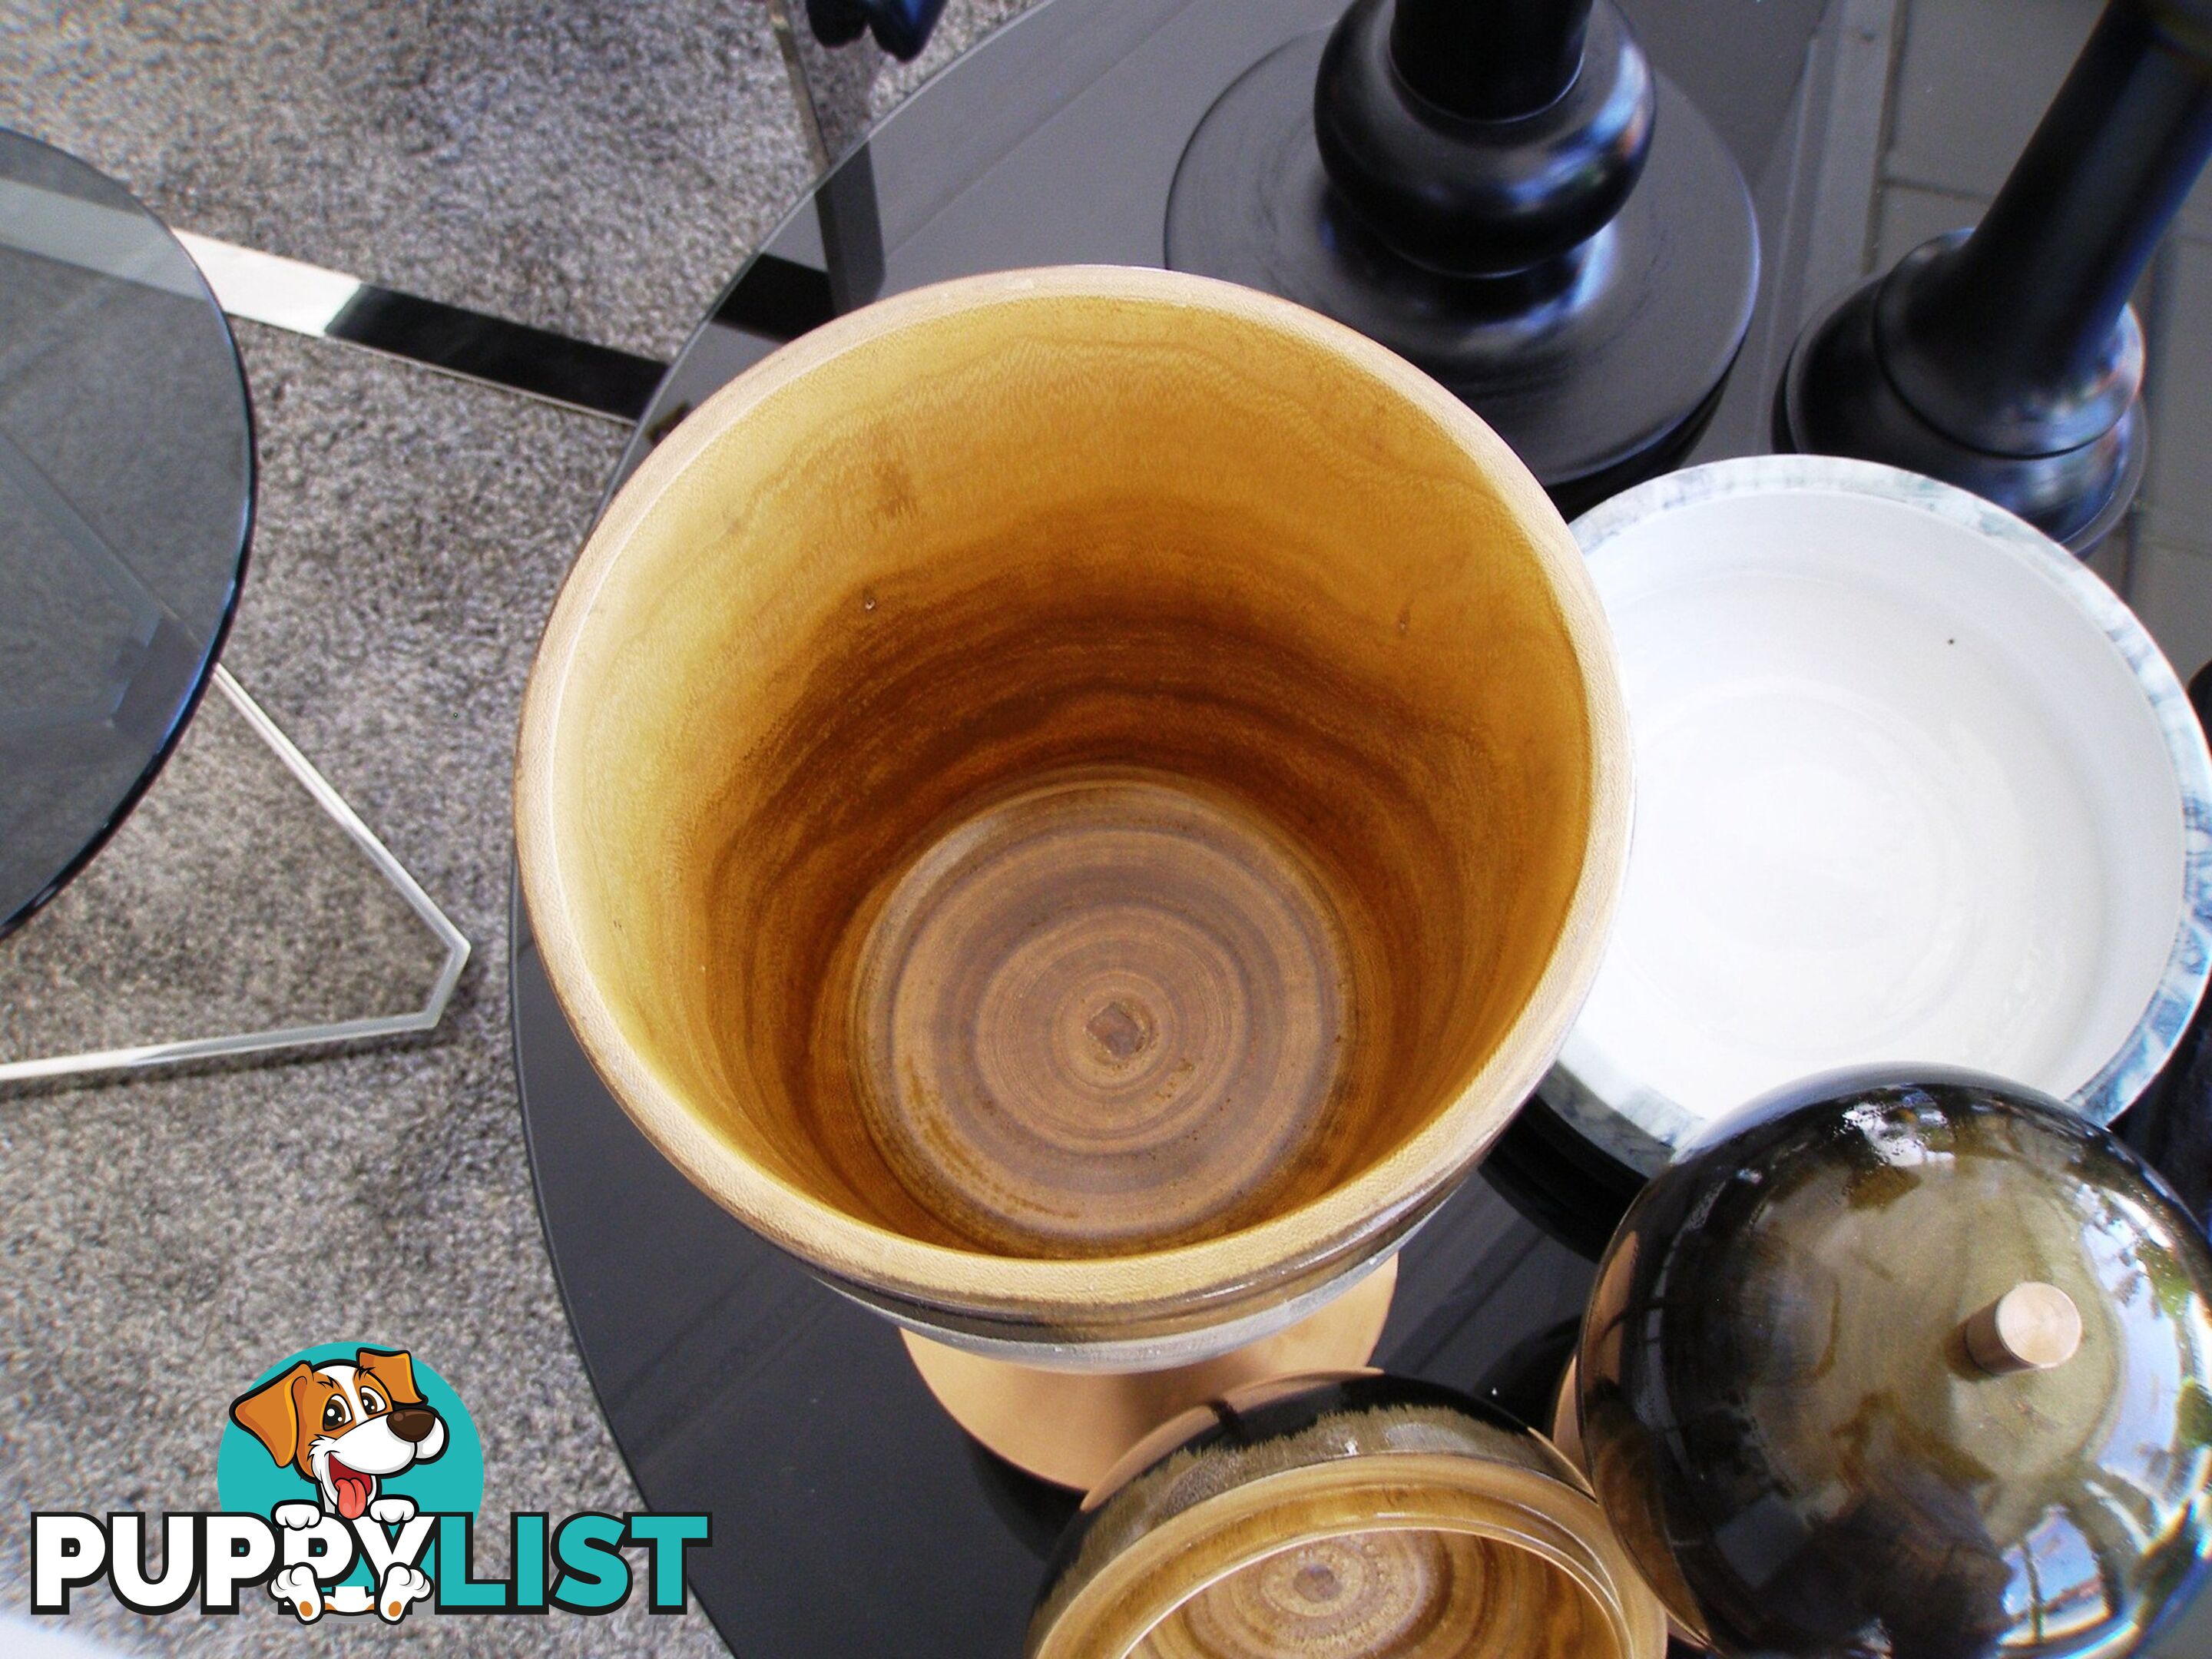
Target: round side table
126	501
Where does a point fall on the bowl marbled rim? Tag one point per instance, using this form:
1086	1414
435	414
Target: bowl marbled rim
1643	1125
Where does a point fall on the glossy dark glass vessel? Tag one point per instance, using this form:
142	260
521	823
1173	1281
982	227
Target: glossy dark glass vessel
1786	1420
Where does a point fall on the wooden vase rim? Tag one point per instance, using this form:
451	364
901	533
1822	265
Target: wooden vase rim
1188	1277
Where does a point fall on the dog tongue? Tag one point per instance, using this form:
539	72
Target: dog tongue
353	1491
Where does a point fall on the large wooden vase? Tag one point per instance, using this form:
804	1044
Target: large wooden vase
1078	803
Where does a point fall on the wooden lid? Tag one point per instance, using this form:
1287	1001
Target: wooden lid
1873	1367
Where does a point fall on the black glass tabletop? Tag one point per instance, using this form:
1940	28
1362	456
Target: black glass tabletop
850	1515
126	490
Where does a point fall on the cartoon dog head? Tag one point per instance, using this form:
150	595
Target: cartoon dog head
344	1427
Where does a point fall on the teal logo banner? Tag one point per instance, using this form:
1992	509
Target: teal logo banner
349	1481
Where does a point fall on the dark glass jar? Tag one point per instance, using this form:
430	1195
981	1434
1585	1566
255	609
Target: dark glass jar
1907	1370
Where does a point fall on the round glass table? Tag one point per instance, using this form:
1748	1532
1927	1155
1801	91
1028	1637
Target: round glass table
850	1515
127	499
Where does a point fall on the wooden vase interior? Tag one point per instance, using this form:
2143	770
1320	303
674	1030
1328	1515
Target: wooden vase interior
1141	630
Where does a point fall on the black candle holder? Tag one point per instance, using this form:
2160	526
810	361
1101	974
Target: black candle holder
2007	360
1505	193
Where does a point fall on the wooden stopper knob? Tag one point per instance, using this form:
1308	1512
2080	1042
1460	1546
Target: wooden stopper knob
2031	1327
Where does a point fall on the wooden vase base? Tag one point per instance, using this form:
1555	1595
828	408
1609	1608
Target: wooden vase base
1071	1427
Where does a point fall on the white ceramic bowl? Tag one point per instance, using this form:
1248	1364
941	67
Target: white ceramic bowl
1913	788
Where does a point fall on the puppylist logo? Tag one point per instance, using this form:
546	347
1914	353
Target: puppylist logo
349	1479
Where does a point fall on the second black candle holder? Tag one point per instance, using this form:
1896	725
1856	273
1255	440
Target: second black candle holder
1505	193
2007	360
